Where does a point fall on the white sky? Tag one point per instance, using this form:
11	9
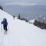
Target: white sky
24	1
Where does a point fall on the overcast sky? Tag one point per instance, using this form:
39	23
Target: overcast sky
24	2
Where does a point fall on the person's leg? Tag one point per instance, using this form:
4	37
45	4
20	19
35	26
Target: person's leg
4	27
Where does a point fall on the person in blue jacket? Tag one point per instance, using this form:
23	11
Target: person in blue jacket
5	23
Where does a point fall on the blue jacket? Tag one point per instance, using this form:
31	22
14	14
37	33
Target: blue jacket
4	22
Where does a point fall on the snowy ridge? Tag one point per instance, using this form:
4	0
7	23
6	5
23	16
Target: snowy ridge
21	33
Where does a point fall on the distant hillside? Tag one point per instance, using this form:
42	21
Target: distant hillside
42	19
29	12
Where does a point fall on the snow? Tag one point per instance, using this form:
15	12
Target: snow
31	21
44	18
20	33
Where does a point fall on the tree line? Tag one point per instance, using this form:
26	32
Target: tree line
1	8
39	24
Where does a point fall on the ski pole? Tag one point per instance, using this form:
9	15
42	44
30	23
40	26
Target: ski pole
1	27
8	28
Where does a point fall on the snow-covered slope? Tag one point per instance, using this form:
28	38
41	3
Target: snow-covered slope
20	33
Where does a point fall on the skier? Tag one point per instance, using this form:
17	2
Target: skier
5	23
